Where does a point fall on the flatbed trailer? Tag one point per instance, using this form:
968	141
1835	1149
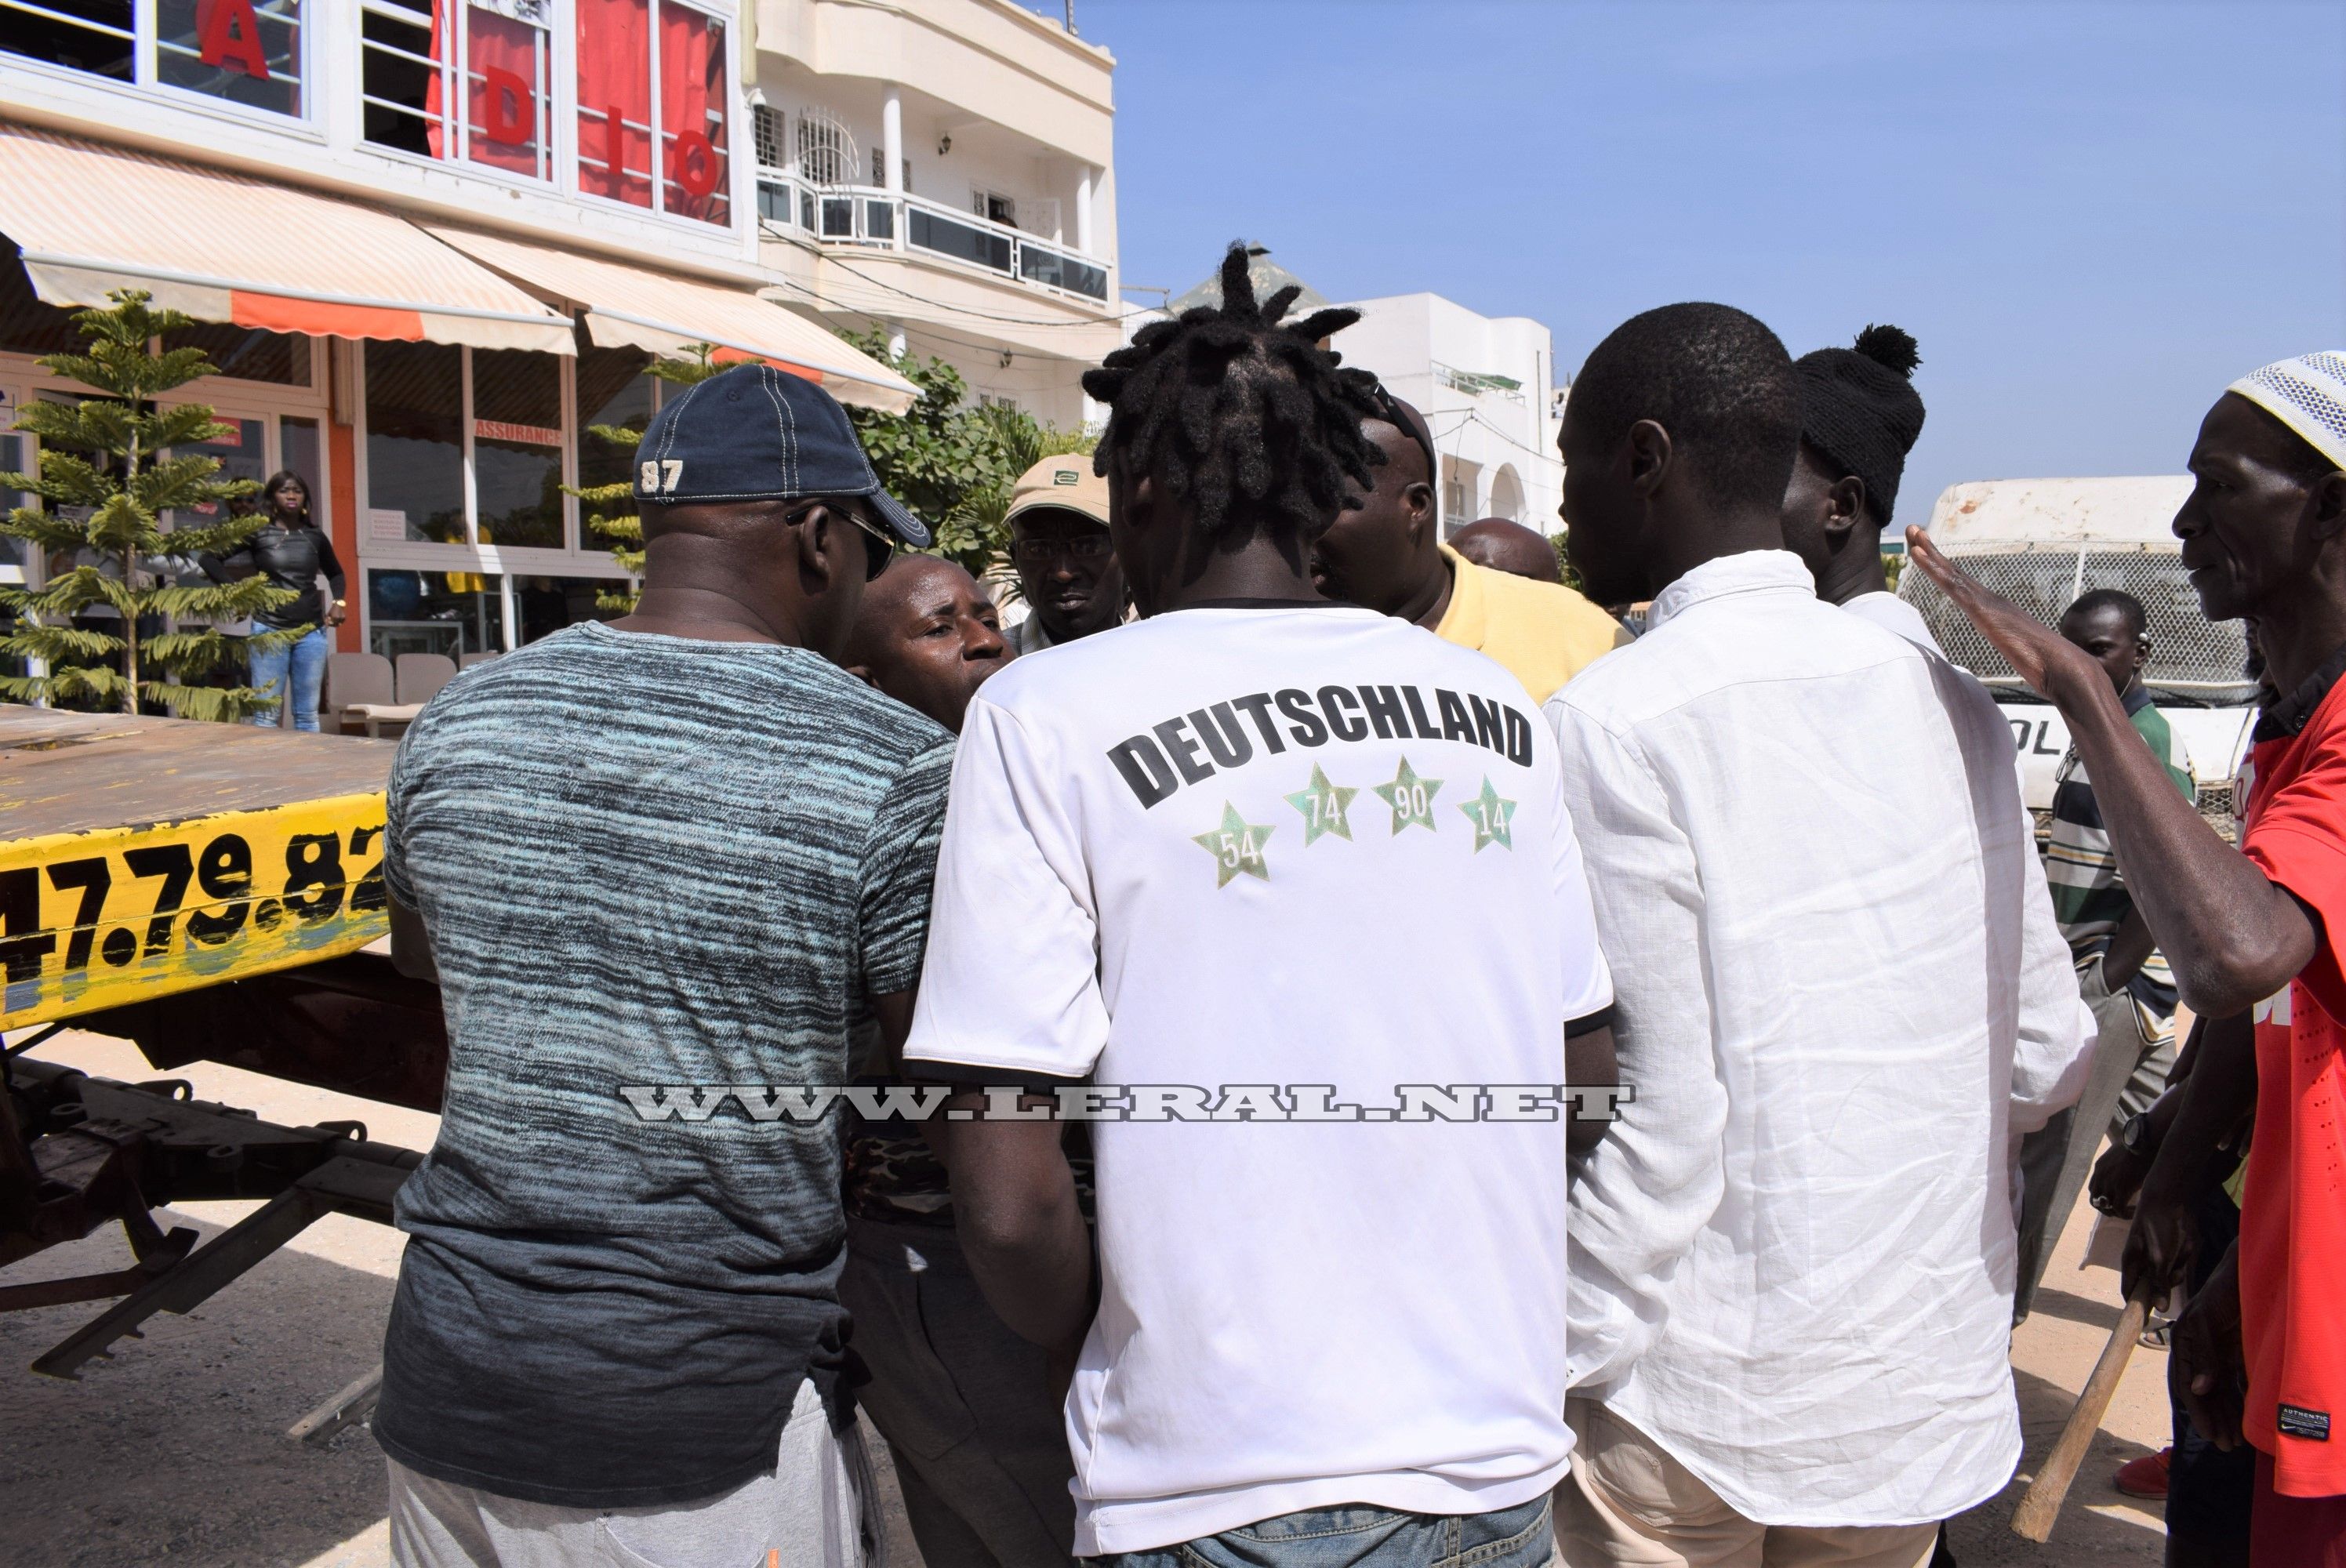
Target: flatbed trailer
211	892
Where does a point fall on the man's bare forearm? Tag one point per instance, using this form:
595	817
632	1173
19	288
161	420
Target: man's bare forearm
1020	1226
2231	937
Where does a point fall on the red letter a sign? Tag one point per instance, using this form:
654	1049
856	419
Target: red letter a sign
228	34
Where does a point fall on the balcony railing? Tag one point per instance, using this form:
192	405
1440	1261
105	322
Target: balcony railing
889	220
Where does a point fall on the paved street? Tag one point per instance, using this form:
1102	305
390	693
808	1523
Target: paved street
175	1449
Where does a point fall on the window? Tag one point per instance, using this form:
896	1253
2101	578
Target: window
517	446
415	442
400	84
507	55
995	208
450	612
246	51
543	605
29	325
248	353
92	35
410	69
632	76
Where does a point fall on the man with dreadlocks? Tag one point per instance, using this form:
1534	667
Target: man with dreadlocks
1262	857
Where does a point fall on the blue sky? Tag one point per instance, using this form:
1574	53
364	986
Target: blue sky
2091	216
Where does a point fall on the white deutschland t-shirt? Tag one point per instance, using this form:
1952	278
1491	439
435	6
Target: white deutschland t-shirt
1310	846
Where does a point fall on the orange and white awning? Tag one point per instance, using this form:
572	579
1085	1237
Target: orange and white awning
664	313
224	247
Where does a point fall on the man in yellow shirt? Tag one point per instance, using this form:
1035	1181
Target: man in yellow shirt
1388	555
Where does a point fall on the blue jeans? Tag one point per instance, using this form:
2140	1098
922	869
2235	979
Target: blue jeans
1357	1536
307	660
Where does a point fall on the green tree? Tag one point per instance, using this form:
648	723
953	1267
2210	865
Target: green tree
953	462
111	465
610	509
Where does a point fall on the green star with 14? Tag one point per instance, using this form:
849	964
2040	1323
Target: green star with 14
1411	797
1236	846
1491	817
1325	808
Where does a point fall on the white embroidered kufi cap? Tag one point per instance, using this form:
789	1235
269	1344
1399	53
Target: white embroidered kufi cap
2308	394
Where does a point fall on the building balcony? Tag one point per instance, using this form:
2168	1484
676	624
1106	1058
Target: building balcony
868	218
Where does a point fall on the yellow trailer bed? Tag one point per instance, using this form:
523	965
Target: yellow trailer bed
142	857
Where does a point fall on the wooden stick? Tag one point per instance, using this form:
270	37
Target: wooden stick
2034	1518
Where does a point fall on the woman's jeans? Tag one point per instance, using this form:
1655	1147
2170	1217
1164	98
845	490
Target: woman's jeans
307	663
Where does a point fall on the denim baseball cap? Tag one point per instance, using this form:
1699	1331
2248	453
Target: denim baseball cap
757	433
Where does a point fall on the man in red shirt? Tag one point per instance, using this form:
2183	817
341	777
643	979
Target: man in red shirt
2254	931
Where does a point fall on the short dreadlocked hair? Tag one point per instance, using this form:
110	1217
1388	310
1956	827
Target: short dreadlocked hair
1240	413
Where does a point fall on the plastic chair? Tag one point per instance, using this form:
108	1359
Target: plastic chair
358	693
467	661
420	675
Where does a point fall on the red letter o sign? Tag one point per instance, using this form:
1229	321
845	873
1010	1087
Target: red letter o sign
696	163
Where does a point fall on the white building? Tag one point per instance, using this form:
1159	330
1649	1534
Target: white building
1483	384
431	242
945	167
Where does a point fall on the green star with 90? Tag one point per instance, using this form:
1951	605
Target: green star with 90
1326	809
1411	797
1236	846
1491	817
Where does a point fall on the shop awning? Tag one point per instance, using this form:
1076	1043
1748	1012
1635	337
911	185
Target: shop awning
224	247
663	313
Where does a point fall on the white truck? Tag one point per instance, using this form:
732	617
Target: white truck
2042	543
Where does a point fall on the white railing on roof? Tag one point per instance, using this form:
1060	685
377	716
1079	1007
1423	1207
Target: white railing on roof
866	215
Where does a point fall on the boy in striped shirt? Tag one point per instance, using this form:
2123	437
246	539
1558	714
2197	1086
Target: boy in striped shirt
2123	977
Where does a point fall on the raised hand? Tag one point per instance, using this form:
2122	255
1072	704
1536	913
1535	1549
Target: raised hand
2051	664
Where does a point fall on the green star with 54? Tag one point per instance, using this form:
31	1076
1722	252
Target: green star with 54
1411	797
1326	809
1491	817
1236	846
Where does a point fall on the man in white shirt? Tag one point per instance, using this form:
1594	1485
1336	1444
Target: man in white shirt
1260	857
1792	1258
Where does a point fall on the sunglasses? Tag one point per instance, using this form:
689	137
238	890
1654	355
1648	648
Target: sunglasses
1389	410
879	548
1082	547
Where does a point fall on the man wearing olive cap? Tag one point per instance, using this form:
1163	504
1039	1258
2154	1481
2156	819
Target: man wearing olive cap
1067	567
653	860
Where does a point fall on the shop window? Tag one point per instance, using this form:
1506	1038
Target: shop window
615	402
543	605
92	35
448	613
248	353
28	324
415	442
15	554
621	56
517	446
298	451
242	453
248	52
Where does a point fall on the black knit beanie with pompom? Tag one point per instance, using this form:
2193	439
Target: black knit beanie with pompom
1858	407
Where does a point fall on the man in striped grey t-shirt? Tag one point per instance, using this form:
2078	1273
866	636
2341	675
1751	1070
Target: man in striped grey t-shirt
2124	978
654	860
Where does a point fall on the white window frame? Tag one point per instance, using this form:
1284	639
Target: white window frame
146	74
